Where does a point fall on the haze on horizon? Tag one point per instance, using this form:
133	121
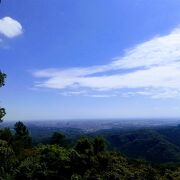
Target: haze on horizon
90	60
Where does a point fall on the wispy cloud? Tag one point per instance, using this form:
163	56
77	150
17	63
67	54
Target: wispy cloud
10	27
153	69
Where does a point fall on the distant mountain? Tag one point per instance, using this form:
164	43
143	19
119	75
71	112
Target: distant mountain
171	133
158	144
147	144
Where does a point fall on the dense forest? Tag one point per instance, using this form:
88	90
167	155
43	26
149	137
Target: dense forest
86	158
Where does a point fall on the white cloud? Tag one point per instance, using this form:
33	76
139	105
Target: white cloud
102	95
152	66
157	51
74	93
10	27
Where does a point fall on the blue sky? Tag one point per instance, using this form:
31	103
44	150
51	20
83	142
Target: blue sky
75	59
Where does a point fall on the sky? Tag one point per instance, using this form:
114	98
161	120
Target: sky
77	59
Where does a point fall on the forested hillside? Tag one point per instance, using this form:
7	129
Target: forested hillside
158	145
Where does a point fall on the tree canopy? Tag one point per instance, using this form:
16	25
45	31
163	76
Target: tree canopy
87	159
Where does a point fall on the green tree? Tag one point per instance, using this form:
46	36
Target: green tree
82	157
30	168
7	156
2	83
2	78
21	140
84	146
55	159
99	145
58	138
21	129
6	135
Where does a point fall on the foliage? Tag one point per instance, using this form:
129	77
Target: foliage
7	156
21	139
89	159
6	135
2	83
31	168
2	78
58	138
20	129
